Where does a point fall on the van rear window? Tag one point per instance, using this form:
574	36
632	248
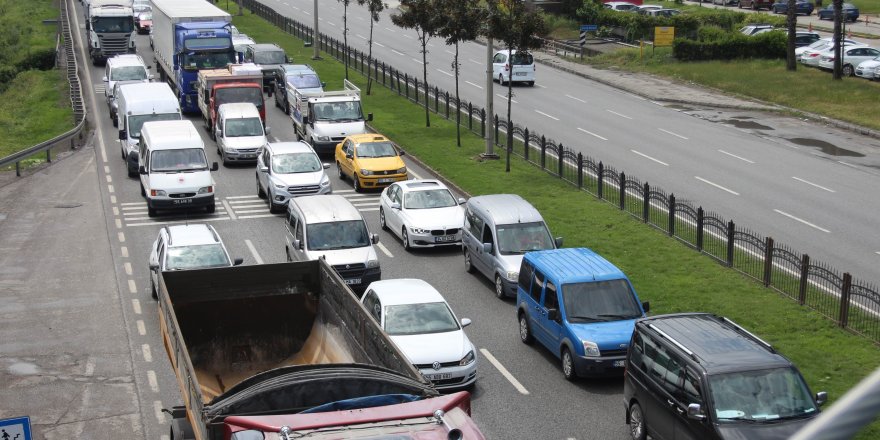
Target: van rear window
522	59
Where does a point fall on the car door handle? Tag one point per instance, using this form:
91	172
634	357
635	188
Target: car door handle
670	402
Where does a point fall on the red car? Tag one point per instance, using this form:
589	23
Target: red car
143	22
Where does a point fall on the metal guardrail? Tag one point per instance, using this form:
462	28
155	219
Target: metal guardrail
67	60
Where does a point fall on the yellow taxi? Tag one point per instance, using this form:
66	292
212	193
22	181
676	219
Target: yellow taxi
370	161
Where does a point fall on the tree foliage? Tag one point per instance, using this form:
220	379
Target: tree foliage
374	7
422	16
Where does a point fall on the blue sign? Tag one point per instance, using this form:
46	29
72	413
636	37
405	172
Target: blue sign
18	428
589	27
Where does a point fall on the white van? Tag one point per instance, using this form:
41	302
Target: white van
330	226
522	63
239	132
173	167
127	67
137	104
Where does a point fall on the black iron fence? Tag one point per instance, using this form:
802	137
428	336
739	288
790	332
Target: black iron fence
852	304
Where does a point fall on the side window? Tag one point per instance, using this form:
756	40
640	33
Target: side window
475	223
499	58
691	389
291	221
637	352
537	285
666	370
487	235
371	303
161	255
298	233
525	275
551	300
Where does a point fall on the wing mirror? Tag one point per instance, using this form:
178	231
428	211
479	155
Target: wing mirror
374	238
646	305
348	156
215	167
465	322
142	170
553	314
395	205
558	242
264	169
401	153
268	131
369	117
122	135
487	248
104	78
154	266
461	201
326	166
297	244
821	398
237	261
695	412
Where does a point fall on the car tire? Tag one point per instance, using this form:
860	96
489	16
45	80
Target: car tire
339	171
356	182
260	193
568	365
151	212
115	121
499	287
531	83
404	237
382	223
637	427
501	79
153	291
210	209
848	70
143	191
525	333
468	265
286	108
131	172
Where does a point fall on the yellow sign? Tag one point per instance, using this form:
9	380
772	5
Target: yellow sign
663	36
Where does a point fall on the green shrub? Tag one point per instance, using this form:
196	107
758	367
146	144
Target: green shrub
40	59
733	45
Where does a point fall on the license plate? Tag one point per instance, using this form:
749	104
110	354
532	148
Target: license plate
386	180
182	201
620	363
521	73
248	156
444	239
353	281
440	376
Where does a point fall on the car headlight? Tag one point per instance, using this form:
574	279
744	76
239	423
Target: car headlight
420	231
325	181
401	170
322	138
158	193
231	150
366	172
206	190
591	349
511	276
280	186
372	264
467	359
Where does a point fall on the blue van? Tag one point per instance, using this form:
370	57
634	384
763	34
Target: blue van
581	307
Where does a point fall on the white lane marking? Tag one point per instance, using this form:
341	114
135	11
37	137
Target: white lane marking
90	367
384	250
307	12
447	51
157	408
538	85
121	237
127	267
415	175
545	114
475	85
131	203
110	189
118	223
136	305
130	225
142	329
813	184
592	134
444	72
242	197
399	53
109	178
735	156
651	158
474	61
378	44
847	164
576	99
519	387
418	61
124	251
674	134
361	37
115	210
148	356
802	221
257	216
618	114
251	211
716	185
408	36
113	199
368	209
390	30
229	210
151	379
254	251
504	97
275	139
331	23
430	45
106	169
132	287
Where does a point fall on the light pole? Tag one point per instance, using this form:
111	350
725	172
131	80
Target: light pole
490	112
315	41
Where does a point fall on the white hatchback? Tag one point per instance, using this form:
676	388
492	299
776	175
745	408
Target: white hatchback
417	318
850	58
423	213
513	65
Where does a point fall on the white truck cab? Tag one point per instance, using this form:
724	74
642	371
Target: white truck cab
136	105
173	167
325	119
239	132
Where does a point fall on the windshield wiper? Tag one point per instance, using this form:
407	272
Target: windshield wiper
741	419
585	318
611	315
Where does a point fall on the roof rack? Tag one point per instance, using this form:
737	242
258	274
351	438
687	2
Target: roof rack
168	233
677	344
741	329
214	233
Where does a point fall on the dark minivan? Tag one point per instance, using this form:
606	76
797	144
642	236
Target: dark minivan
701	376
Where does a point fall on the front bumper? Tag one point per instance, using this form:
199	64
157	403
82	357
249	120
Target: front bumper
434	238
450	375
280	196
383	181
241	156
509	287
606	366
195	201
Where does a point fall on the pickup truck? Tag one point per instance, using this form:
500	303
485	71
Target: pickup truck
264	350
234	83
324	119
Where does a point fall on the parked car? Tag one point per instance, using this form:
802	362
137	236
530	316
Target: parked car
513	66
801	38
423	213
819	45
850	58
811	57
754	28
755	4
849	11
621	6
419	320
239	132
182	247
643	9
869	69
800	7
370	160
725	2
268	56
290	169
662	12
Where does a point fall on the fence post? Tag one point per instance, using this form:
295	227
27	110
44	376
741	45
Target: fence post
416	89
526	144
49	155
446	95
731	227
622	189
700	214
768	260
672	215
471	119
482	123
383	73
580	166
805	272
600	180
561	152
543	151
496	126
646	203
844	300
406	83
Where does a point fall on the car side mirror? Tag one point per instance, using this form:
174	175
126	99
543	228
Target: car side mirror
348	156
558	242
297	244
646	305
150	77
215	167
821	398
237	261
401	153
374	238
104	78
553	314
487	248
122	135
142	170
395	205
461	201
154	266
369	117
326	165
695	412
465	322
268	131
264	169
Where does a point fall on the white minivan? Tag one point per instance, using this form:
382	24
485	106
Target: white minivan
127	67
173	167
138	104
521	63
329	226
239	132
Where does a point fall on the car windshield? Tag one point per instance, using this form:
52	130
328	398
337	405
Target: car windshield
184	159
432	198
196	257
338	111
416	319
238	127
145	16
208	60
253	95
128	73
291	163
519	238
778	393
269	57
609	300
337	235
136	122
112	24
375	149
304	81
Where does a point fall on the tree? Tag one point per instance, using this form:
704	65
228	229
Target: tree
375	7
791	25
510	23
422	16
461	22
345	4
838	39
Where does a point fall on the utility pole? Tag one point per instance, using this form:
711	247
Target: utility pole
315	39
490	111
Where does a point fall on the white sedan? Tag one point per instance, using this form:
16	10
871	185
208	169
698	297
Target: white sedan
869	69
810	56
423	213
851	57
420	322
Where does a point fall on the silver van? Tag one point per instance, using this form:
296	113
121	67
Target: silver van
329	226
498	230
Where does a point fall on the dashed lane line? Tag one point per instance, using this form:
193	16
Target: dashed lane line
384	250
124	250
674	134
136	305
592	134
813	184
151	379
228	209
516	384
157	409
475	85
148	355
716	185
650	158
736	157
618	114
132	287
142	329
802	221
254	252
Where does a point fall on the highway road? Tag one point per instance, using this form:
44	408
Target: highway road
809	186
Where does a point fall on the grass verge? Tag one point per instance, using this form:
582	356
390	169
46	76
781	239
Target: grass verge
41	110
670	275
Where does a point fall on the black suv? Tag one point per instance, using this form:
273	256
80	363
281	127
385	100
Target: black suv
701	376
268	56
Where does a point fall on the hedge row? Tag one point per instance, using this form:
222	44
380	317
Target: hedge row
733	45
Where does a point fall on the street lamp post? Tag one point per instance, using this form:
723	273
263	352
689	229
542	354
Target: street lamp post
316	55
490	112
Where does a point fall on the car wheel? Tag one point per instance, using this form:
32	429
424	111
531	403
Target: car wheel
277	105
525	335
143	191
468	266
637	428
339	171
531	84
210	209
260	193
151	212
357	183
404	237
501	79
567	365
286	108
115	121
382	219
848	70
122	152
499	287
